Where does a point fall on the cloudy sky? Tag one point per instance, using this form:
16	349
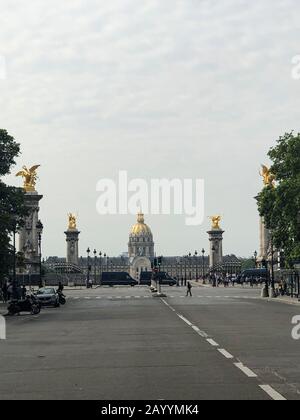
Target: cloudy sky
169	88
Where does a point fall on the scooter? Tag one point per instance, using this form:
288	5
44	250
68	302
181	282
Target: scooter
62	298
27	305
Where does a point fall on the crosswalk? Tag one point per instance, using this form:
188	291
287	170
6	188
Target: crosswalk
209	297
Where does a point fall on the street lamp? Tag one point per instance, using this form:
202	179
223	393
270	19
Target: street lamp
255	258
39	228
88	267
190	261
203	267
213	266
196	256
95	266
14	279
100	261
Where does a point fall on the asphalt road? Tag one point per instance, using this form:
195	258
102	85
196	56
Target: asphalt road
122	343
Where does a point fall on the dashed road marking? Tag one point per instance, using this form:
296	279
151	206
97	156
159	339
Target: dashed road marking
212	342
248	372
225	354
272	393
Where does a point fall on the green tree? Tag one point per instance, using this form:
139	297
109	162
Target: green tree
280	206
12	203
247	263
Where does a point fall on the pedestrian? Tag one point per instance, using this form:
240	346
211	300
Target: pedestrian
4	292
24	292
9	291
189	289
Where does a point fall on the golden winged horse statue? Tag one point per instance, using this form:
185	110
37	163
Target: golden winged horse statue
268	177
30	177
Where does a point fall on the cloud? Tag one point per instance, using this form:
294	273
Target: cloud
144	86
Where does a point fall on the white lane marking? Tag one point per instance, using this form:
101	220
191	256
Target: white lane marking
169	306
87	297
127	297
225	354
272	393
202	334
77	297
99	297
196	328
185	320
212	342
248	372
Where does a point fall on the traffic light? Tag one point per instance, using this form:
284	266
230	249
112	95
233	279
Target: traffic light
282	260
160	260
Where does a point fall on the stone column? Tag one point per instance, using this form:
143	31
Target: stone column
265	241
216	247
72	238
28	234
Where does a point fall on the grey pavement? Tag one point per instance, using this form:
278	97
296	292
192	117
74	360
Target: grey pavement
120	343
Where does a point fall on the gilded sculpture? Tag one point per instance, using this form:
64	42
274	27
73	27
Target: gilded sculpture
216	221
30	177
72	221
268	177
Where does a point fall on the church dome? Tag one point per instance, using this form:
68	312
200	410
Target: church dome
140	228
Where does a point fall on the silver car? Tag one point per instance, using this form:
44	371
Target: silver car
47	296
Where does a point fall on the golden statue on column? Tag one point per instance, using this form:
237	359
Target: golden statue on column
30	177
216	222
268	177
72	222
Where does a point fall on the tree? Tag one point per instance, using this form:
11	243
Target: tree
247	263
280	205
12	202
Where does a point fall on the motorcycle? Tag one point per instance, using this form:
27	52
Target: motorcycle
62	297
28	305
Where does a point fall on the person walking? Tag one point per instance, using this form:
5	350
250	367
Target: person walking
24	292
189	289
4	292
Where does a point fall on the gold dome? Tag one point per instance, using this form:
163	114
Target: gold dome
140	228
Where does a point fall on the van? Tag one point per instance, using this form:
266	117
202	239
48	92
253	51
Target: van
117	279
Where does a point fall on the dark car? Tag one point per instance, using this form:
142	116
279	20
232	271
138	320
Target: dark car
48	296
117	279
164	278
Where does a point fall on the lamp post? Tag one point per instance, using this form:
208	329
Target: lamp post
100	271
196	257
265	290
213	266
95	266
14	279
190	270
203	267
255	258
39	228
88	267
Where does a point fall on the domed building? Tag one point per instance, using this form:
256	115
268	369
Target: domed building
140	247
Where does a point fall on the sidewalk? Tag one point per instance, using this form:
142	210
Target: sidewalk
284	299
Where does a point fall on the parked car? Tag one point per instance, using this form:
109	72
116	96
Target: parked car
48	296
117	279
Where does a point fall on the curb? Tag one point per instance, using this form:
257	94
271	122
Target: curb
291	301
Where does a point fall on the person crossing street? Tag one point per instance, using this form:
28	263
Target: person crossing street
189	289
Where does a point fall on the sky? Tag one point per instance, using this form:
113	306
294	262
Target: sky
161	89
